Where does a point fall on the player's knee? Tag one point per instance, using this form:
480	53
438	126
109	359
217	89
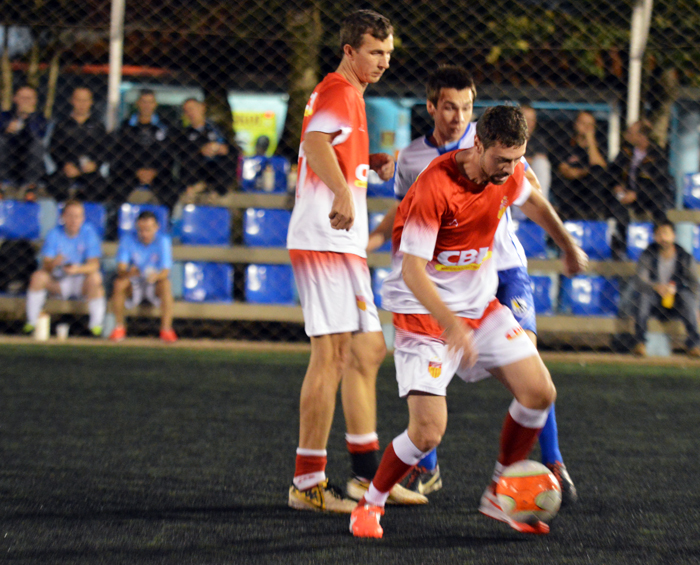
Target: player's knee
39	280
427	437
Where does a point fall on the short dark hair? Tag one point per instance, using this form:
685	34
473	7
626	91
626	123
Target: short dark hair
71	202
192	100
146	92
145	215
360	22
645	128
664	222
448	76
502	124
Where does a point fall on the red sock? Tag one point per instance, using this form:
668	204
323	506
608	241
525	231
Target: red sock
516	441
391	470
309	470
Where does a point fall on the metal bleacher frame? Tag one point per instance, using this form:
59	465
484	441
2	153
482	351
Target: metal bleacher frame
13	307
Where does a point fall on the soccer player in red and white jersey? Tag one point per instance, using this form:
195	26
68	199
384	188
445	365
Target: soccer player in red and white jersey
327	240
450	93
442	290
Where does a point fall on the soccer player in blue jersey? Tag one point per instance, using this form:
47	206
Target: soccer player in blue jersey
70	268
144	262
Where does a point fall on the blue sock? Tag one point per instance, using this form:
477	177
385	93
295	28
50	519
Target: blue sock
429	462
549	440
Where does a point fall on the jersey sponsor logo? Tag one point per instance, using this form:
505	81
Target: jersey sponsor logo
435	368
361	173
469	260
504	206
519	306
309	109
515	332
361	302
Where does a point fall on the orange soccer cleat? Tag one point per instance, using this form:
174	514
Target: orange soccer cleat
169	336
118	334
364	521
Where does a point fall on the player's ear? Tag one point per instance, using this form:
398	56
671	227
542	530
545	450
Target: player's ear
348	51
431	108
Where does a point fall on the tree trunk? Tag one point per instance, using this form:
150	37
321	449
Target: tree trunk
33	68
304	29
668	94
54	68
6	101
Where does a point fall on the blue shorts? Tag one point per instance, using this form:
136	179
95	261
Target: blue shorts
515	292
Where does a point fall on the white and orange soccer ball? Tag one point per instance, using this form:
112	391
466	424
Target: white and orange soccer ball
527	491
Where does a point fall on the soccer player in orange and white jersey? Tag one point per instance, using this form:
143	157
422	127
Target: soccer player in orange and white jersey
327	240
442	290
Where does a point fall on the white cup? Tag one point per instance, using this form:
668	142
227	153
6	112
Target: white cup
62	331
43	326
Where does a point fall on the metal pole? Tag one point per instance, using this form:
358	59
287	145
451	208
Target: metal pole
116	49
641	21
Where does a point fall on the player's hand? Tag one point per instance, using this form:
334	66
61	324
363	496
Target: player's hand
152	278
383	164
14	126
134	272
458	339
575	261
58	260
375	241
342	214
70	269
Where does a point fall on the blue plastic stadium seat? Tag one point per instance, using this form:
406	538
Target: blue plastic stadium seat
205	225
19	220
696	243
691	191
542	295
95	214
592	236
254	167
639	236
378	276
128	213
589	296
375	218
532	238
270	284
208	282
265	227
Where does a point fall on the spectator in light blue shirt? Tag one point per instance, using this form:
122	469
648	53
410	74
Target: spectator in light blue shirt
144	262
70	268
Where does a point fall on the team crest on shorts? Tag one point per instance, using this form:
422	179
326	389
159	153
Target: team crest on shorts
435	368
519	306
515	332
361	303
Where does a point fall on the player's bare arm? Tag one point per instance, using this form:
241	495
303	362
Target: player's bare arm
90	266
382	232
324	162
50	263
457	336
572	173
126	272
540	211
532	179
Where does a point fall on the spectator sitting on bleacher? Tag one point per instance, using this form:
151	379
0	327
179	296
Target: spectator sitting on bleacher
667	282
641	176
142	162
78	149
537	152
581	181
143	269
22	138
70	268
207	160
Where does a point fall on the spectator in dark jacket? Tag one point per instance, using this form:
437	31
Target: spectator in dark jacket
78	147
641	175
22	138
207	160
667	282
142	161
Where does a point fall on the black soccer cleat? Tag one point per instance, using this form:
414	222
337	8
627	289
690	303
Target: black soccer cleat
568	489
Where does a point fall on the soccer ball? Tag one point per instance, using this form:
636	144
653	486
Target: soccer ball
527	491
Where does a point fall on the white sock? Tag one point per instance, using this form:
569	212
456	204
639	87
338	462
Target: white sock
97	308
35	302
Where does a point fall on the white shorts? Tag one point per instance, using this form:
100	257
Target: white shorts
421	358
335	290
71	286
140	290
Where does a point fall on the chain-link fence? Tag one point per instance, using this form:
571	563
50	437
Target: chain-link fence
211	98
